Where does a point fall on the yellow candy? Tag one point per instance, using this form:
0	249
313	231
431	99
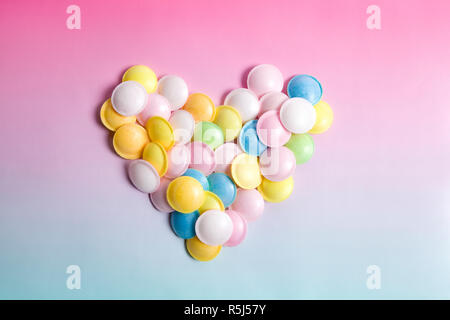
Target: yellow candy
185	194
111	119
211	202
200	106
159	130
245	171
324	117
229	120
276	191
142	74
129	141
200	251
157	156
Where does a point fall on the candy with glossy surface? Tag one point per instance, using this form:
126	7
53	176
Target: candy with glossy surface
214	227
129	98
183	224
142	74
249	204
270	130
223	186
297	115
265	78
174	89
185	194
245	101
129	141
111	119
200	251
245	171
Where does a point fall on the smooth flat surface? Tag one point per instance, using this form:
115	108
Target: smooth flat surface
376	191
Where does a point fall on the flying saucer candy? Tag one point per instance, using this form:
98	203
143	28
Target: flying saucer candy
297	115
265	78
244	101
305	86
214	227
129	98
174	89
143	175
185	194
142	74
213	168
129	141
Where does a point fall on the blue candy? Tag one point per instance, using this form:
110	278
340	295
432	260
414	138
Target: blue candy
249	141
223	187
183	224
199	176
305	86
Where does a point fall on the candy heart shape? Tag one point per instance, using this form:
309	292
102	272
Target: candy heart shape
212	168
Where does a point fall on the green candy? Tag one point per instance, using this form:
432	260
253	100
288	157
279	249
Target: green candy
302	145
209	133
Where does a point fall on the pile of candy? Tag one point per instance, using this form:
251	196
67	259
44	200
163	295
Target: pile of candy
212	167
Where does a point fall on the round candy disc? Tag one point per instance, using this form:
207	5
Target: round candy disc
185	194
183	224
129	141
159	197
270	130
159	130
277	164
209	133
202	157
302	145
245	171
200	251
224	155
183	124
272	101
249	140
214	227
179	158
211	202
143	176
305	86
239	229
156	155
174	89
200	106
199	176
244	101
276	191
157	105
324	117
142	74
223	186
264	78
229	120
129	98
111	119
249	204
298	115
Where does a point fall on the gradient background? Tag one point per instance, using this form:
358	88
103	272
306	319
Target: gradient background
377	190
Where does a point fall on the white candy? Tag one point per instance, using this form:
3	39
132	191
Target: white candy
245	101
174	89
129	98
298	115
143	176
214	227
183	125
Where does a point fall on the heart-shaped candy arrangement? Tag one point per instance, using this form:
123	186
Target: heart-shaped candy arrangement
212	167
